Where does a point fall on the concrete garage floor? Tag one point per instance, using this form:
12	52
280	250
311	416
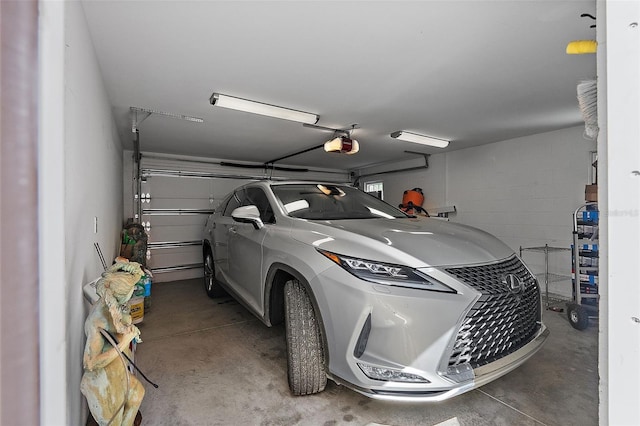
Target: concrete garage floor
216	364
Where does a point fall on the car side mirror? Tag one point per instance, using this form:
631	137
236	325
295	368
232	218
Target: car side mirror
248	214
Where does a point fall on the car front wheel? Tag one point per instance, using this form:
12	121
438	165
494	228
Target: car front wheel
211	286
305	356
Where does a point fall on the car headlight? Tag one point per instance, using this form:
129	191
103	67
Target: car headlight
387	274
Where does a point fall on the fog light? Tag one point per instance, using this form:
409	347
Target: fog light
460	373
390	375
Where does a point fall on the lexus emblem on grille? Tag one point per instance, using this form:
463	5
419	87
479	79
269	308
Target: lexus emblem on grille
513	282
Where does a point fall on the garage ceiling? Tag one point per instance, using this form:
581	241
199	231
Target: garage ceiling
474	72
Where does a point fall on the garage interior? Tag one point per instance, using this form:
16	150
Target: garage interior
126	129
216	364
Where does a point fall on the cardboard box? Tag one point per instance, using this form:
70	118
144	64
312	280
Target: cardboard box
591	193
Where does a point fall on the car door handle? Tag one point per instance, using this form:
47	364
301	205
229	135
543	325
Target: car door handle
232	230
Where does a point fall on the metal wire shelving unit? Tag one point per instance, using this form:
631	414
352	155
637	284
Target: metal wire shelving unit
552	301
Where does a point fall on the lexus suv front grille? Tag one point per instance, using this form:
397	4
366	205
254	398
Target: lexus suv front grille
504	319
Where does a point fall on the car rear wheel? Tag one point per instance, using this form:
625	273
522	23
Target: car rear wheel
211	285
305	356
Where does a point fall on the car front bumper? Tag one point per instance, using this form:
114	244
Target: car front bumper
409	330
482	375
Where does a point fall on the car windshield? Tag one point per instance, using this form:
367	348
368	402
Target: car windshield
326	201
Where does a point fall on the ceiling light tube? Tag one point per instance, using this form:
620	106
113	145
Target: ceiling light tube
425	140
254	107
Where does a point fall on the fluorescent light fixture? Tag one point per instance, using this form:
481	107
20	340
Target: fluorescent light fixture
414	137
254	107
342	145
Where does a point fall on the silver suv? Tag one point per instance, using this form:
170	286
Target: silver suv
393	306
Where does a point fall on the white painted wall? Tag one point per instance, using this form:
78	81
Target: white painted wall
619	144
524	191
431	180
83	174
603	182
51	216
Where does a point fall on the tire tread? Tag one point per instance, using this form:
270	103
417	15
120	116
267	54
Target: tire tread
305	354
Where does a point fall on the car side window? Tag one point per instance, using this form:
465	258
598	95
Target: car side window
257	197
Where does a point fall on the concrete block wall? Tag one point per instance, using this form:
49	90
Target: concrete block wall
431	180
524	190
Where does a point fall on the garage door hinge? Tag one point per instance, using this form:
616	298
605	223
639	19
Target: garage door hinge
144	198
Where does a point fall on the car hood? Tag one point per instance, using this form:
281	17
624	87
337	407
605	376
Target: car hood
418	242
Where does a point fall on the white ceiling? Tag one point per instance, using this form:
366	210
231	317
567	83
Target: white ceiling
473	72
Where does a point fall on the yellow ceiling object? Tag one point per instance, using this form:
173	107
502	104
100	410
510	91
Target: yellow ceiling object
579	47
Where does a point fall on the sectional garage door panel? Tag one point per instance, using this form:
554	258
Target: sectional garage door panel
172	203
174	232
185	193
177	196
175	211
178	188
169	258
